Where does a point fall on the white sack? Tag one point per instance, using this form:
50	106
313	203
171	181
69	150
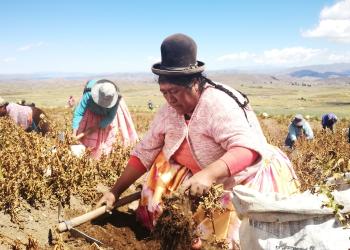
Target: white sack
272	221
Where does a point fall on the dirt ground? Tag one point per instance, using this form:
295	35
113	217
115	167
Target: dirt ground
119	230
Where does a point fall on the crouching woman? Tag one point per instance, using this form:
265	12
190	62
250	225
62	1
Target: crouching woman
101	116
206	133
28	117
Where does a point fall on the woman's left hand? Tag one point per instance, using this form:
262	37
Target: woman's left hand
199	183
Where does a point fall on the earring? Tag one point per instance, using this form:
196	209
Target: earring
196	88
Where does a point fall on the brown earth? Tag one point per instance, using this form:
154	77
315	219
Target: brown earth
117	231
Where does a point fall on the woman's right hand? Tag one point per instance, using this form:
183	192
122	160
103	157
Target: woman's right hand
75	136
129	176
78	137
107	199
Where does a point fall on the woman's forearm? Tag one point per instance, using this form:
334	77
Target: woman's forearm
128	177
217	170
238	158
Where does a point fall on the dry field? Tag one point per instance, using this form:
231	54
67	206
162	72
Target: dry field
39	172
266	93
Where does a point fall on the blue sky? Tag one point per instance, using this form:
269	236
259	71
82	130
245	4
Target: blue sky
125	36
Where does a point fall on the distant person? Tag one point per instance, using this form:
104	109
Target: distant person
28	117
24	103
150	105
265	115
71	102
299	128
100	115
329	120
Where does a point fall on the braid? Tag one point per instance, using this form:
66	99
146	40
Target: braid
243	105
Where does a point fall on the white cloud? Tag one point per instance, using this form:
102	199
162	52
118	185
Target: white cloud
241	56
340	10
288	55
334	23
31	46
9	59
285	56
335	58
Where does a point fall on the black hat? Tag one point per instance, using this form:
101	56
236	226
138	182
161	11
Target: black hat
179	57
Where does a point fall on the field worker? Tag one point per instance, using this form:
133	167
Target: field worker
100	116
298	128
71	102
29	118
265	115
328	121
150	105
206	133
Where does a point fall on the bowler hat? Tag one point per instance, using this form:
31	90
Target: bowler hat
105	93
179	57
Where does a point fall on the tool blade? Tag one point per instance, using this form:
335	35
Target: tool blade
77	233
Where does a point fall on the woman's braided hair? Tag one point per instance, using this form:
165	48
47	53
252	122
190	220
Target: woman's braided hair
187	81
243	105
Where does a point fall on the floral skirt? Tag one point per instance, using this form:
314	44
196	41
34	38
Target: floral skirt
275	175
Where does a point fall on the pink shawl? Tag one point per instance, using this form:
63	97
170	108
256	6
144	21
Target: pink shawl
101	141
21	115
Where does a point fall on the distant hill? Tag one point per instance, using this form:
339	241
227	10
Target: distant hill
318	74
323	75
337	70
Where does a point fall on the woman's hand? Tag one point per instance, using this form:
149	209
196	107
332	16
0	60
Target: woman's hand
201	182
78	137
107	199
129	176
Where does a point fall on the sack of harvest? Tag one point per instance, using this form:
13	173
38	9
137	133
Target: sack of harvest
271	221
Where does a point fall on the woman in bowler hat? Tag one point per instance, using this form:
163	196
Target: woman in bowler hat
205	134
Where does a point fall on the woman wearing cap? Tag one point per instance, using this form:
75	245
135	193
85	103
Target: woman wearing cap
30	118
100	115
328	121
298	128
206	133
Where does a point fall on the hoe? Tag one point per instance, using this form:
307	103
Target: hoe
69	225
